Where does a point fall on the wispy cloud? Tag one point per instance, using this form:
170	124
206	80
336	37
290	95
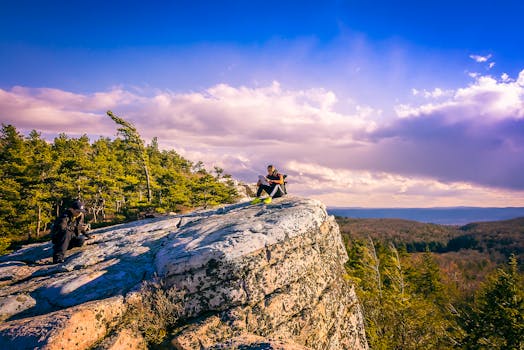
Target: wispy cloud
479	58
434	94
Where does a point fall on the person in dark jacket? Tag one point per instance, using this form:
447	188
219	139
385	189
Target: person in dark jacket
272	184
69	231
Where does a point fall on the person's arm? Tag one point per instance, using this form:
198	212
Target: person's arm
81	227
262	180
280	180
62	224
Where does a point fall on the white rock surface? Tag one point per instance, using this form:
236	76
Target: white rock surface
268	270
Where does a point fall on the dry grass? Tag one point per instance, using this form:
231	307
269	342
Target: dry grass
153	311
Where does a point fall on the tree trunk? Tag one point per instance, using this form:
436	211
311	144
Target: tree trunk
376	267
148	182
39	222
58	205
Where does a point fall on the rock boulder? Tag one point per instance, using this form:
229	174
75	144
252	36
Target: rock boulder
242	275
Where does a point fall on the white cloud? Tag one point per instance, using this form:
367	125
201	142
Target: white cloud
475	136
436	93
360	158
479	58
474	75
239	126
520	79
49	110
491	65
220	111
381	189
486	98
505	78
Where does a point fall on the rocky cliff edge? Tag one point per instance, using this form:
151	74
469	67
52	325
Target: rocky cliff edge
239	277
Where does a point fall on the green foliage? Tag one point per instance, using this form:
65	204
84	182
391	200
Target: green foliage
496	319
427	281
37	176
496	240
5	243
135	146
500	238
414	236
397	310
440	300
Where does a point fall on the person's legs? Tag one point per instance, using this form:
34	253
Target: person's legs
76	241
261	189
60	244
265	188
276	191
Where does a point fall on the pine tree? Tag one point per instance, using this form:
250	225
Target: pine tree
40	172
428	281
14	161
496	320
136	145
396	316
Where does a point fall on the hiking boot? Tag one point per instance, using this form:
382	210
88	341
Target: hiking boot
267	200
256	201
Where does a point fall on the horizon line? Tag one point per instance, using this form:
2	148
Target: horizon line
450	207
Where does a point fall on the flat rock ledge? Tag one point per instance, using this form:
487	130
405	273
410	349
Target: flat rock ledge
247	277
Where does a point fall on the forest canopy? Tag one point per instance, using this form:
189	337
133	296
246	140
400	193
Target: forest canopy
119	180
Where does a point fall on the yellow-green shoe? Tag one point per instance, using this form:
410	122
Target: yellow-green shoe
256	201
267	200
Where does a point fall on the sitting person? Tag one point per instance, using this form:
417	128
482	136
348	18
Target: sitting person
68	231
272	184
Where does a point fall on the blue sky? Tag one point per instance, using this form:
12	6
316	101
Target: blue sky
84	45
392	98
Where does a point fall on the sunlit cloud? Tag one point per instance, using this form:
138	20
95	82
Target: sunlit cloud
475	136
375	189
484	100
461	146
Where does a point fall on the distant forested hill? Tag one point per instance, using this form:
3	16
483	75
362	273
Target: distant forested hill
500	239
413	235
497	239
438	287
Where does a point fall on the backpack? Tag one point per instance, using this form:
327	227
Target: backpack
283	186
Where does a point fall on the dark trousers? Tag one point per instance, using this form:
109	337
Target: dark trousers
65	241
270	189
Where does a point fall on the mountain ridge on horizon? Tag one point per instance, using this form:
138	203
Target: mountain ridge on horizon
442	216
450	207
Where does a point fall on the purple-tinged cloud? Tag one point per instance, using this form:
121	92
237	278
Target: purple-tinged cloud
54	111
476	136
463	145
